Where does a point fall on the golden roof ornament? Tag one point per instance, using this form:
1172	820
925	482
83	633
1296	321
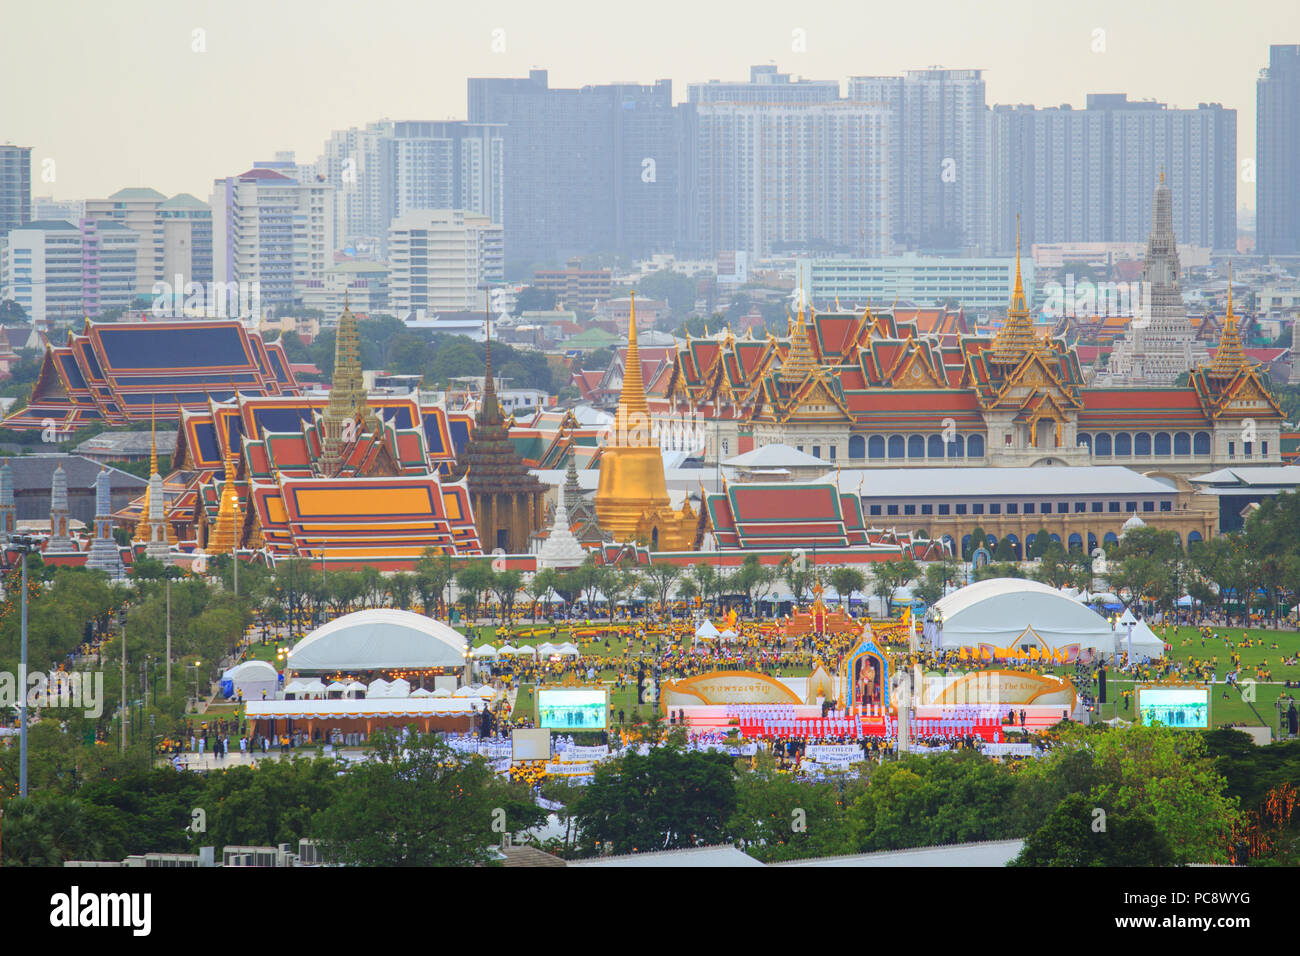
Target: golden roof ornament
1017	338
1229	357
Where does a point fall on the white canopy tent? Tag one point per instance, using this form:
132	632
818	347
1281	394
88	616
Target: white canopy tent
378	639
1006	612
1145	645
706	631
487	650
253	678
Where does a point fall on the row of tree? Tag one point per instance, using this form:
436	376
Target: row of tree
1100	796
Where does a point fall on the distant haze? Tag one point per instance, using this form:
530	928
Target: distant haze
116	96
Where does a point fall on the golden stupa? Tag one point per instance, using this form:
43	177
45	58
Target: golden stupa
632	498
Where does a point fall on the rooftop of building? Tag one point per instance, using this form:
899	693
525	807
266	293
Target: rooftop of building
995	482
775	455
129	443
37	471
138	192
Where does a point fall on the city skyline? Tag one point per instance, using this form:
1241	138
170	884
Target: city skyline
236	93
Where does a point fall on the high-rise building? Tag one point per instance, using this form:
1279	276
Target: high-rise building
187	238
1277	151
41	270
936	138
787	165
389	169
1085	175
110	257
272	230
586	170
15	187
137	209
1160	344
440	258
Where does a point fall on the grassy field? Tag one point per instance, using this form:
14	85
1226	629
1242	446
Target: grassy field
1267	650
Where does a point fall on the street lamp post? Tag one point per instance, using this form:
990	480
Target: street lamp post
23	544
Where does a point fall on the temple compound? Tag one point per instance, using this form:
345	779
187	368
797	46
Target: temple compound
871	391
122	373
348	481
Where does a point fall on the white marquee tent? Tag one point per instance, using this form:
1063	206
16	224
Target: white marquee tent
378	639
1002	612
253	678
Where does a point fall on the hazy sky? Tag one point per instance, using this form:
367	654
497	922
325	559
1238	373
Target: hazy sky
115	93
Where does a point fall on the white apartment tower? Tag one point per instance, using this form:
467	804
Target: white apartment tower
788	164
439	259
273	230
936	138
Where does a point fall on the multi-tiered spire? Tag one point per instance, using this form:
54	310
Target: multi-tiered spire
104	553
347	395
60	539
1230	357
799	361
1017	338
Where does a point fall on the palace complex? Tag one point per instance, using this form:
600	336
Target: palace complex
868	390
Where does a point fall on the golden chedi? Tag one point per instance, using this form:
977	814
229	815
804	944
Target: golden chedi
632	496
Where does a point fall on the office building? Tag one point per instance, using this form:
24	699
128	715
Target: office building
585	170
1085	175
979	286
15	187
1277	151
787	166
272	231
440	258
936	135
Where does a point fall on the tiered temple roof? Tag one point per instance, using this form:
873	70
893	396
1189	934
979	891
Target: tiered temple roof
122	373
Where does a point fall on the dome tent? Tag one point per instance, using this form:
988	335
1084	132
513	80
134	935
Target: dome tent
378	639
251	677
1006	612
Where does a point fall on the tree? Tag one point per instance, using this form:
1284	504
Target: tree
931	800
473	580
888	576
661	577
505	585
664	800
47	830
676	289
780	818
797	576
845	581
416	803
1077	834
401	587
533	299
432	574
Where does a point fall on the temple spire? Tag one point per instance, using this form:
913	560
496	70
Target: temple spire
632	397
1230	357
799	361
1017	338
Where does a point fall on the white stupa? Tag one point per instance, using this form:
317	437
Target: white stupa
561	549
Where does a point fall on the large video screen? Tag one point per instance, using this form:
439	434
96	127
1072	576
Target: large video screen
1174	706
572	708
